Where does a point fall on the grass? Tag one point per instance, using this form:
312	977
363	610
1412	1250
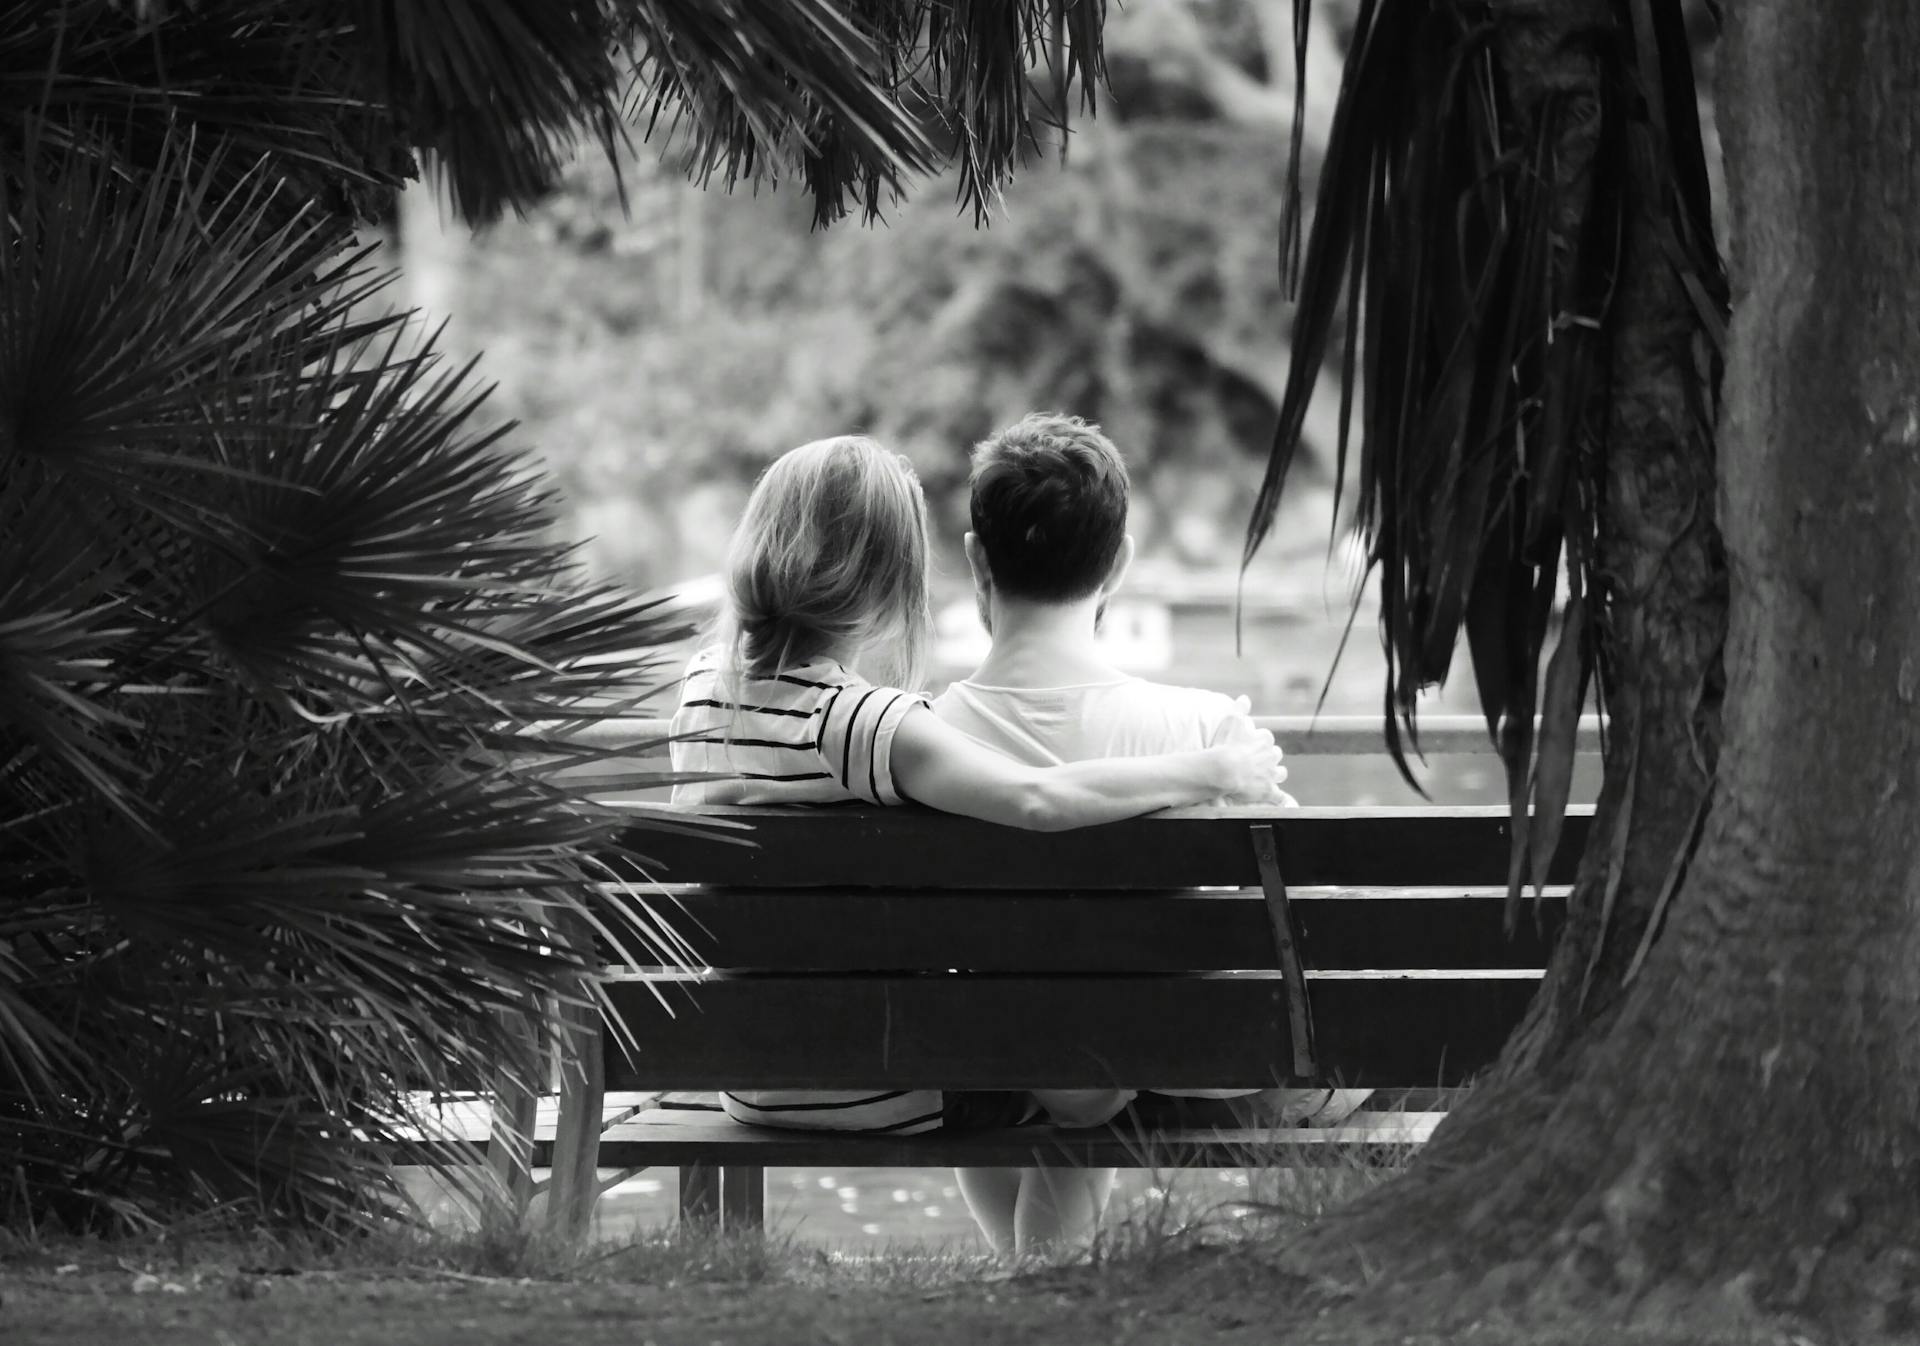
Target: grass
1289	1184
1166	1269
1170	1266
1289	1188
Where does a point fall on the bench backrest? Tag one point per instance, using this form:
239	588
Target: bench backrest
858	948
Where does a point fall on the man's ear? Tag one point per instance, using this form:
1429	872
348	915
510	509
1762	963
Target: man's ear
1122	559
977	562
982	579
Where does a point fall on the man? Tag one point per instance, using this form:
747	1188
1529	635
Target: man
1049	546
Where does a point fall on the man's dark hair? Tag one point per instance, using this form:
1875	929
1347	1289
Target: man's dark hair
1049	505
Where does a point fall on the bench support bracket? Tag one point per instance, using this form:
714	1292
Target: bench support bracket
1266	853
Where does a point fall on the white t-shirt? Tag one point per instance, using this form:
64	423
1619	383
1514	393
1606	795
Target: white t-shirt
1122	717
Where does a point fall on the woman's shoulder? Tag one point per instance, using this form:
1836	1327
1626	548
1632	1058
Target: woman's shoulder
828	675
833	676
804	685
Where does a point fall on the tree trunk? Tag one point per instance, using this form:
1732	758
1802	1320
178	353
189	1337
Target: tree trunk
1747	1128
1663	589
1663	595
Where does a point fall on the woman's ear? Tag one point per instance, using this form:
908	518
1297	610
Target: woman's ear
1118	572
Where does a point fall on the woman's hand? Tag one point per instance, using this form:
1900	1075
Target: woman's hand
1249	765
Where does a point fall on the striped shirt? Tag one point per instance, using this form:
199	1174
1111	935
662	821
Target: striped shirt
814	734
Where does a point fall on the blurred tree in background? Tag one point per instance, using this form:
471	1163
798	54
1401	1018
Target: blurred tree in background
660	360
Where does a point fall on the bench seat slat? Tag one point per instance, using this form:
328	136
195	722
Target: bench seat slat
1002	930
1012	1032
913	848
665	1139
724	1142
774	1032
1423	928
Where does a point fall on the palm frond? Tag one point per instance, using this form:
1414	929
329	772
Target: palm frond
1464	253
851	99
854	97
980	54
298	684
120	305
244	80
61	626
759	91
498	92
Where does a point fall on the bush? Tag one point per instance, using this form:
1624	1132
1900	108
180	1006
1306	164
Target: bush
291	672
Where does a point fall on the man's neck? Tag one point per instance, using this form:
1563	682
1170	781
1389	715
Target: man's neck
1044	645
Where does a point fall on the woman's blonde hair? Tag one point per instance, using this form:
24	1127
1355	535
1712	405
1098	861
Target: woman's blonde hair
831	555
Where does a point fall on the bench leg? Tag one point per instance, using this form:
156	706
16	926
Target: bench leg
575	1184
743	1199
699	1197
516	1102
730	1198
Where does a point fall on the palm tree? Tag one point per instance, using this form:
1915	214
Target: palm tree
1519	271
295	738
1713	1094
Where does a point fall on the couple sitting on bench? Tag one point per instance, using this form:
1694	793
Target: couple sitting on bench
827	589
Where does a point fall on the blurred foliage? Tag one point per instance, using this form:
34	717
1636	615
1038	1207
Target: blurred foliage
659	359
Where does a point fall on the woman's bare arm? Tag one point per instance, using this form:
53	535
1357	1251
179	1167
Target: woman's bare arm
935	764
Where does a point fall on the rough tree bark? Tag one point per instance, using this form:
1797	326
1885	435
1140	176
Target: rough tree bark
1663	588
1663	595
1747	1128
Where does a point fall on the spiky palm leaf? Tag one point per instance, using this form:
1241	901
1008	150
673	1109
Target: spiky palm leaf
847	95
760	91
295	668
849	98
1460	270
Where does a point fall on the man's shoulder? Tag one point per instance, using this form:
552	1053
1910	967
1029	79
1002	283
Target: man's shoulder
1142	716
1123	696
1199	701
1124	717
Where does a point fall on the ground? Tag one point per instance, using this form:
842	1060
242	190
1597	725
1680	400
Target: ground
1194	1294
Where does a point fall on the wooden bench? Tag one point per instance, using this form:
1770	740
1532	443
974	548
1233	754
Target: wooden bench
1200	948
